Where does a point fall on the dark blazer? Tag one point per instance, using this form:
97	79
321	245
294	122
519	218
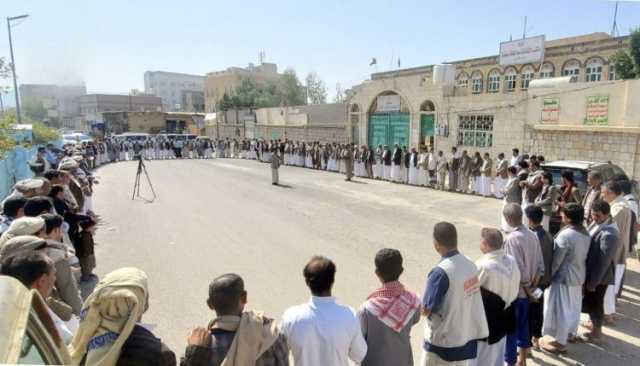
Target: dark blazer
415	159
386	157
407	158
142	348
397	156
601	261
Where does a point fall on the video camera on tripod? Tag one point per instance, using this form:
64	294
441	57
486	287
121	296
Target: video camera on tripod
136	186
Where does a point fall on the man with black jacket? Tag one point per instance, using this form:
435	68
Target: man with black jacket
499	278
386	159
605	239
405	172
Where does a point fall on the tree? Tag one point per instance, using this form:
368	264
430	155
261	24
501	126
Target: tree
340	96
290	89
623	64
316	90
635	49
4	69
43	134
7	141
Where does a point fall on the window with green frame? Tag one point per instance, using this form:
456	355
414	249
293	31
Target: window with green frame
475	130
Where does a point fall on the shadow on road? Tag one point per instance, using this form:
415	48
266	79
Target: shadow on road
283	186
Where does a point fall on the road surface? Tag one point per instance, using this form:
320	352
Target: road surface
217	216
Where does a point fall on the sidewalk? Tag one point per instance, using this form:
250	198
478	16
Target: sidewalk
621	344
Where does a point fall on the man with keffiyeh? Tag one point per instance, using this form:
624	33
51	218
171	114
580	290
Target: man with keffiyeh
389	314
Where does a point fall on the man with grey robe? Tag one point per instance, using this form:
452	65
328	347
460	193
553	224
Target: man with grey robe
347	156
275	165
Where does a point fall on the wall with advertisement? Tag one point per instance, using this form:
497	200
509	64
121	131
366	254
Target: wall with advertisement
597	110
550	110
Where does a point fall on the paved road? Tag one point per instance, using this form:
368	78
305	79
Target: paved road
217	216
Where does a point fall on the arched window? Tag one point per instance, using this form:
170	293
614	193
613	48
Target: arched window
547	70
594	69
476	82
510	76
527	75
427	106
463	80
494	81
571	67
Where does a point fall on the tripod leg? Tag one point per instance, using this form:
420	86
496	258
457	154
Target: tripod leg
149	181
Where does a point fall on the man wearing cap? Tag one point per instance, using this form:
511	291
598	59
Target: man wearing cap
26	188
24	234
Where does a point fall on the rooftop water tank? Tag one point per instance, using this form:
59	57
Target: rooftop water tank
444	74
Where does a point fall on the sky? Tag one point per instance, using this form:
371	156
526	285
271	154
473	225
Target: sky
110	44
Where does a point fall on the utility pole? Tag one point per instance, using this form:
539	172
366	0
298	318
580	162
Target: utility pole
13	65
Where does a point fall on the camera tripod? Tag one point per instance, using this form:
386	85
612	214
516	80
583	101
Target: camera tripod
136	186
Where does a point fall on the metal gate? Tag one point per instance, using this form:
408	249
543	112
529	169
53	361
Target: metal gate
427	128
389	129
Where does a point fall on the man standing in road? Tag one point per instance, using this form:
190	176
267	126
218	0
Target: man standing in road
621	214
323	332
452	304
347	156
499	285
442	167
600	267
389	314
275	165
523	245
594	180
236	337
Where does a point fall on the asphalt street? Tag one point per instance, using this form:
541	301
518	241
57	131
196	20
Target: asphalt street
218	216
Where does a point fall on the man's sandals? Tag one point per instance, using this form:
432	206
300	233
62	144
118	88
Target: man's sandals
552	346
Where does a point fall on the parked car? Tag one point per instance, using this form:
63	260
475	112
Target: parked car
580	171
29	335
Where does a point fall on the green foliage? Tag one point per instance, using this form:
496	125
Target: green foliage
251	94
6	139
34	110
4	69
635	49
291	90
623	64
42	134
316	90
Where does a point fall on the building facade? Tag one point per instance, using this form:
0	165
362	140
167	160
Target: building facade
324	123
220	82
60	101
92	106
152	122
171	87
490	108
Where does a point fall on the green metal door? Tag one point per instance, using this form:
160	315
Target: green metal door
378	129
389	129
427	127
399	129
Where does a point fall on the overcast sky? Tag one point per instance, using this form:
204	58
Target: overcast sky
110	44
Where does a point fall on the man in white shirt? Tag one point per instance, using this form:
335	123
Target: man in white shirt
322	332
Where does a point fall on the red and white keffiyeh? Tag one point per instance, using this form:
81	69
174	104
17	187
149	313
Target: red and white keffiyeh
393	305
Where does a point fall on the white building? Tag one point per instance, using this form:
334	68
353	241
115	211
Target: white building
170	87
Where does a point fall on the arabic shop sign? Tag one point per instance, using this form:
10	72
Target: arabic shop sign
597	110
550	110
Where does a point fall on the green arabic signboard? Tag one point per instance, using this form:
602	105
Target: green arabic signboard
597	110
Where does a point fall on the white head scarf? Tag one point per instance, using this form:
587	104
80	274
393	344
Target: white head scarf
108	317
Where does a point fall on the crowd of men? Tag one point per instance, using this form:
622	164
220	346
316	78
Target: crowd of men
527	289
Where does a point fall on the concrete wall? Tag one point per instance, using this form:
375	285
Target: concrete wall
324	134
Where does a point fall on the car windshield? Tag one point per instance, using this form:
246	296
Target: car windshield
580	176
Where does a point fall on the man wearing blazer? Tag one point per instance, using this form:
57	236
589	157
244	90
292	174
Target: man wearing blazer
601	264
594	180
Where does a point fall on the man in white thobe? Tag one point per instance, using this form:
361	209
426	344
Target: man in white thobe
563	299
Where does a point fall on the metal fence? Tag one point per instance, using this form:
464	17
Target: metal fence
15	167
